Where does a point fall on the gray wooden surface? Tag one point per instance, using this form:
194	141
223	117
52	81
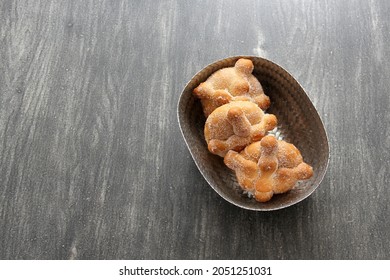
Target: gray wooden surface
92	162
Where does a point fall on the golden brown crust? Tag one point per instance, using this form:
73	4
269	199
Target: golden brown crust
231	84
233	101
268	167
235	125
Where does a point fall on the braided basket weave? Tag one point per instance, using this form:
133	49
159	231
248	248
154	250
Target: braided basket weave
298	123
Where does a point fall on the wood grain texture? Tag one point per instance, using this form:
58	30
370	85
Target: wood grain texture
92	163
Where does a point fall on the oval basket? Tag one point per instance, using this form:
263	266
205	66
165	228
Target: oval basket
298	123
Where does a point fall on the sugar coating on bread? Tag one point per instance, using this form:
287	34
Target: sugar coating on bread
268	167
235	125
231	84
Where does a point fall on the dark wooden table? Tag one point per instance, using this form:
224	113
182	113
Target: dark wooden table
92	162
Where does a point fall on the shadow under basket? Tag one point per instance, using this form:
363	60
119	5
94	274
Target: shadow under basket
298	123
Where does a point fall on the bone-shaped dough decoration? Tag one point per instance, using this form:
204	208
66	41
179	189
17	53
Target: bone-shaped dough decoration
268	167
235	125
231	84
